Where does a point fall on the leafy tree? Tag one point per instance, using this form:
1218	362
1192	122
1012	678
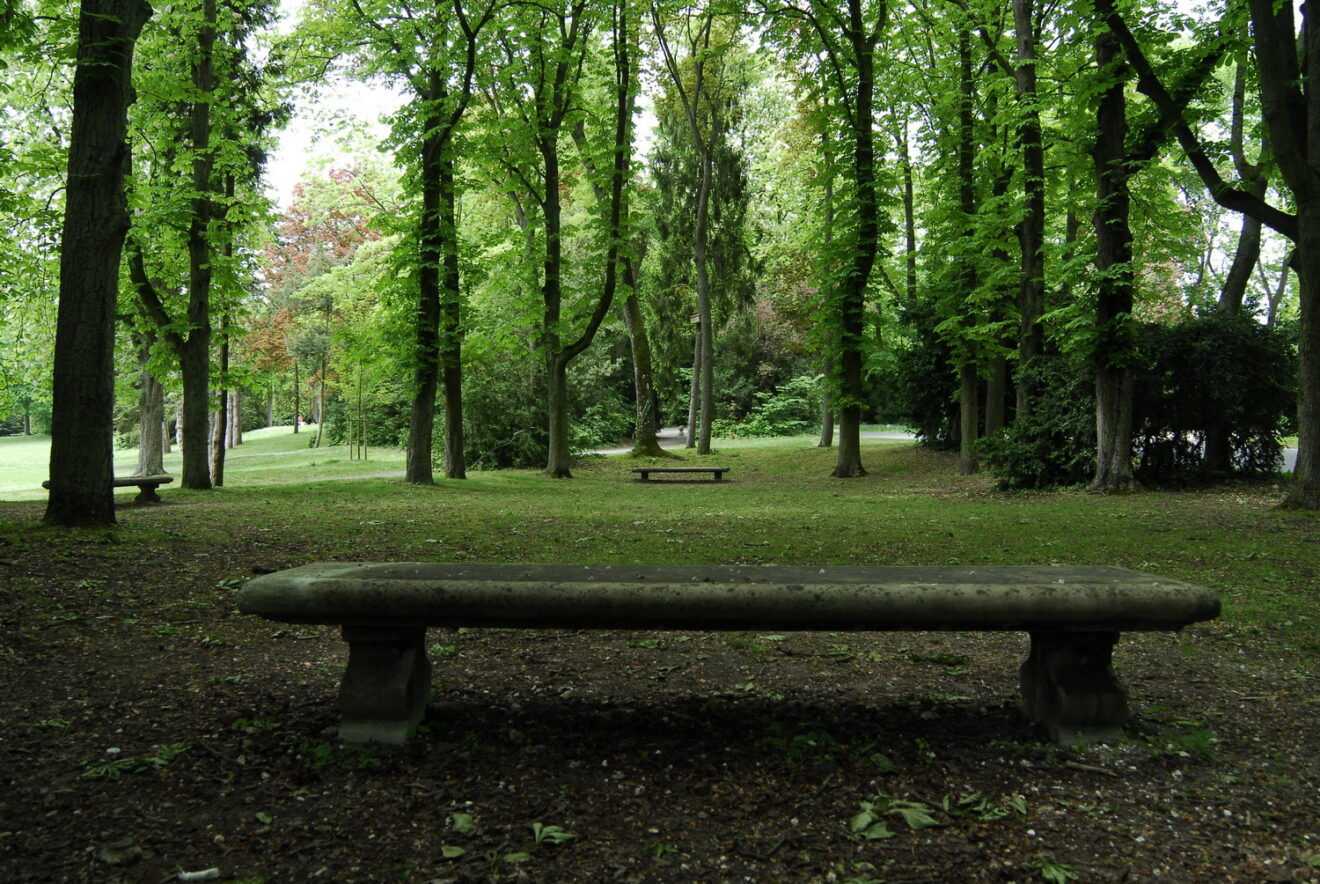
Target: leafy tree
844	38
95	223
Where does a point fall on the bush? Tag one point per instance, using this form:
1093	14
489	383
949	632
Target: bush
792	409
1055	444
1220	393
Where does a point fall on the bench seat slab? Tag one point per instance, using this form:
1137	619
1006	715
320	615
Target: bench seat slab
386	685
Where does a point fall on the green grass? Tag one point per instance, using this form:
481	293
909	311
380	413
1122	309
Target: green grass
778	505
266	456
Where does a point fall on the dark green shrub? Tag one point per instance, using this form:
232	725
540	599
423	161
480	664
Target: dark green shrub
1055	444
1218	395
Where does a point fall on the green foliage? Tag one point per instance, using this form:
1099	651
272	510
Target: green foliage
1229	373
790	410
1055	444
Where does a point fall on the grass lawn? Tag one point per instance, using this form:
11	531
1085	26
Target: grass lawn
701	757
266	456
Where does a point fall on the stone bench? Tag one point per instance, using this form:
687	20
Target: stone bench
146	486
1073	614
716	472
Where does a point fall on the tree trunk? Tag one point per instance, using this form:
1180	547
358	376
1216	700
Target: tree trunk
704	329
1305	491
646	423
220	422
95	222
151	415
1114	350
426	346
451	331
851	295
694	391
995	389
1031	230
968	414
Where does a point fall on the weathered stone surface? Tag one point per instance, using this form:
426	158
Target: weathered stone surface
717	598
1074	615
386	685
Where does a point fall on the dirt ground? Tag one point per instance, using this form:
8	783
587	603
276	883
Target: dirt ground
148	729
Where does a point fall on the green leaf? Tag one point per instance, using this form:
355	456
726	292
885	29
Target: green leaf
877	831
916	818
449	851
519	857
462	823
264	818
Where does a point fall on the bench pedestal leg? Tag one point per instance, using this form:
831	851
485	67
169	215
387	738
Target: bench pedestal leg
1068	686
147	494
387	683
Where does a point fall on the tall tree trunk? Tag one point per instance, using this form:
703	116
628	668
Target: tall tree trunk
646	422
851	295
426	346
151	413
451	329
969	378
704	329
1031	231
1114	353
91	242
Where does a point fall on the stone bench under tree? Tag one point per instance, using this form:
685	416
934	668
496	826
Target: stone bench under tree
1074	616
146	486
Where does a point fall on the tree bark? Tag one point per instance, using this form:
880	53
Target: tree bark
1114	379
851	295
426	346
151	414
646	422
694	391
1031	231
96	221
968	414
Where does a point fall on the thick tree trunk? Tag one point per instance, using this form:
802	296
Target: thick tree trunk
1114	354
91	242
1305	491
1031	231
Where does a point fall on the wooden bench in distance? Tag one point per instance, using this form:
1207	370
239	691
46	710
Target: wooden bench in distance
146	486
716	472
1073	614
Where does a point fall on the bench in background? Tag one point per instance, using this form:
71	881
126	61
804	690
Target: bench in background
146	486
716	472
